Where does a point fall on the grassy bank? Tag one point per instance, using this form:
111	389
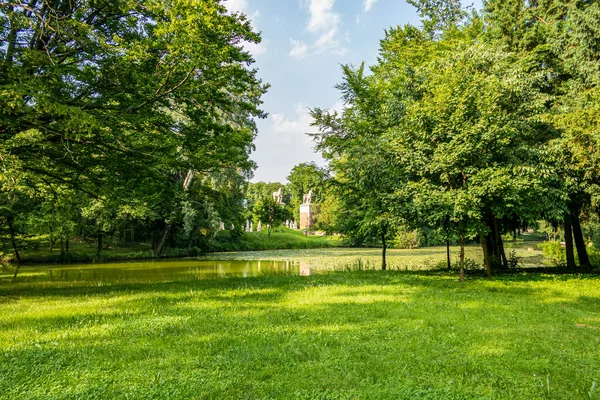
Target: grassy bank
283	238
352	335
37	250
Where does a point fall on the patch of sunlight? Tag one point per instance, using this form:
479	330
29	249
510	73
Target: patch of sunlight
470	305
319	329
249	312
345	295
558	300
487	350
246	293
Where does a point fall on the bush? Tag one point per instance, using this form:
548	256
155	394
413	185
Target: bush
407	240
470	265
513	261
591	230
594	253
555	252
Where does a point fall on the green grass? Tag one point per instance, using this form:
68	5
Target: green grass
343	335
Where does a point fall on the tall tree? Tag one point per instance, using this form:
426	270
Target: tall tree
121	99
560	41
303	178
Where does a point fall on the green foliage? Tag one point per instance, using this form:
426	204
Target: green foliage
591	230
106	109
270	213
258	191
407	240
303	178
555	252
513	260
439	16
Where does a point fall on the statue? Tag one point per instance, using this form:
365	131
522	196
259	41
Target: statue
277	196
307	197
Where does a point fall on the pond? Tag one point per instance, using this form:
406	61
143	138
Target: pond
157	271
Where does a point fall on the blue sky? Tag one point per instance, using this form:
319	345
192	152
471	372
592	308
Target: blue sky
304	42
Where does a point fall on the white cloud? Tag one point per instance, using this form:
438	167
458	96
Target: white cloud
324	22
322	15
299	49
237	5
295	127
369	4
256	49
338	106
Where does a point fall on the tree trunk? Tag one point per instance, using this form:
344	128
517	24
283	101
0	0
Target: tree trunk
186	185
584	259
161	243
99	247
462	258
486	254
16	273
448	254
62	246
501	253
67	245
13	241
51	239
569	243
383	260
110	241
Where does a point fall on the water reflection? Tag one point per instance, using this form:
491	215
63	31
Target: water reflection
304	268
160	271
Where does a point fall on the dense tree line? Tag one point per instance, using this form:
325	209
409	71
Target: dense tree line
133	121
473	125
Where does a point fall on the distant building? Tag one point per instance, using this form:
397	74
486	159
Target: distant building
306	215
306	212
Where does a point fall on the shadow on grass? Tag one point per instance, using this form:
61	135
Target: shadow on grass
373	332
439	279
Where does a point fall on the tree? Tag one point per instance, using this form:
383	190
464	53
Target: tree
303	178
445	133
258	191
364	175
120	100
559	39
466	138
270	213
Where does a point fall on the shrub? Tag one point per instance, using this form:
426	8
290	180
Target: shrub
554	251
513	261
407	240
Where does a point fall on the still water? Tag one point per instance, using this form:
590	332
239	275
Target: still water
161	271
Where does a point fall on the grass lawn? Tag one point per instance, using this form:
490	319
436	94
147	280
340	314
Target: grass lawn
343	335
